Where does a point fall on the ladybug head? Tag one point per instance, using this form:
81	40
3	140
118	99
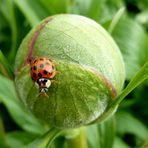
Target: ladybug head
44	84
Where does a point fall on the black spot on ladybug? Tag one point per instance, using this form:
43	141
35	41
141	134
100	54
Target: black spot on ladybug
34	67
41	65
34	75
34	61
31	68
41	59
45	72
39	75
38	82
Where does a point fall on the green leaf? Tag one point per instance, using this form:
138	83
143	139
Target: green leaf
54	6
119	143
116	19
3	143
2	132
18	112
4	10
5	67
142	4
79	6
45	140
133	42
126	123
13	26
93	136
7	9
38	8
109	10
19	138
95	9
101	135
28	11
141	75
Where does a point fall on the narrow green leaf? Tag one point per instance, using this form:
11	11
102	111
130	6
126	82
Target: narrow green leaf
116	19
109	10
3	12
38	8
119	143
101	135
2	135
17	139
141	75
93	136
46	140
7	10
142	4
2	132
129	124
95	9
5	67
79	6
13	26
28	12
54	6
18	112
133	42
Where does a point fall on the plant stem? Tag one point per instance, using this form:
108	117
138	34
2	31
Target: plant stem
53	133
116	19
79	141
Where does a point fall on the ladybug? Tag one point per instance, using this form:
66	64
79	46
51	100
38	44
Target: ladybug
42	71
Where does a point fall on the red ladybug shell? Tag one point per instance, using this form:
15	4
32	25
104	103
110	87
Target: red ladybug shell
42	68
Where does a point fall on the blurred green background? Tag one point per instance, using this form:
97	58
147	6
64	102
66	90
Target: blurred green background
125	20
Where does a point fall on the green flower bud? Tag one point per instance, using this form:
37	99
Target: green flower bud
89	70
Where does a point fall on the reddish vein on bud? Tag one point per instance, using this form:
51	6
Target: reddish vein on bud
34	38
